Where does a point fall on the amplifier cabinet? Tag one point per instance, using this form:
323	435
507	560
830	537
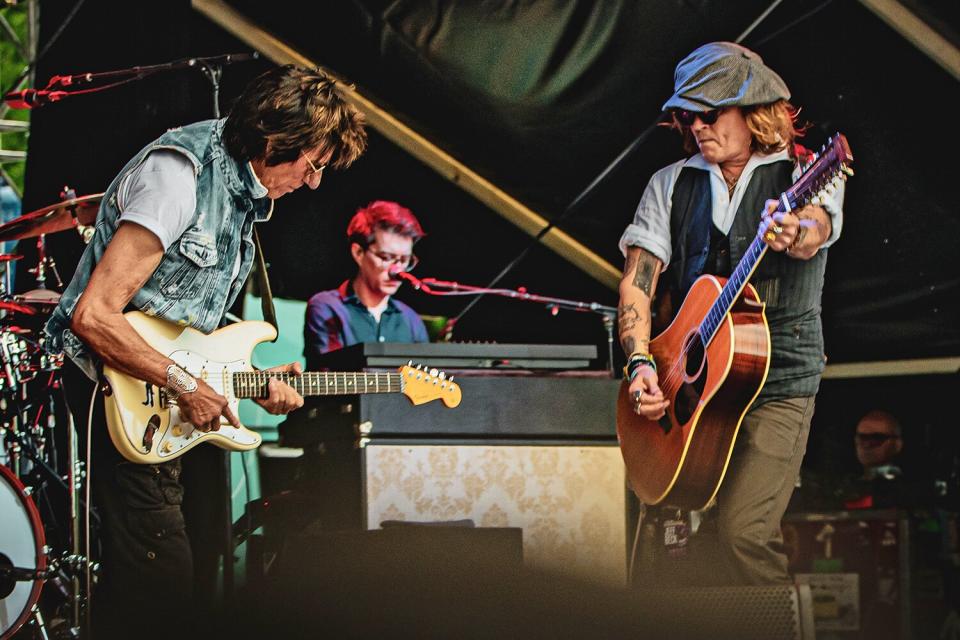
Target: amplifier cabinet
538	452
569	500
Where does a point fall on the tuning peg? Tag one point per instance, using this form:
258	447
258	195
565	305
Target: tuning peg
442	375
419	367
409	363
451	382
846	170
815	200
433	373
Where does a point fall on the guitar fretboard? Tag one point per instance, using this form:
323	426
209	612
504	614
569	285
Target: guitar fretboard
253	384
735	284
831	165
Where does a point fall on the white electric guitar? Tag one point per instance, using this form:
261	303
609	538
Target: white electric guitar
146	427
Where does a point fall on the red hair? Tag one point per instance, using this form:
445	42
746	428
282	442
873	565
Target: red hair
386	216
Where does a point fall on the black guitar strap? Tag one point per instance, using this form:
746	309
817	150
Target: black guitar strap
263	283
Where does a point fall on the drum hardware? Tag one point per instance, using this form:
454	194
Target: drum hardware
45	262
64	215
7	305
23	544
6	285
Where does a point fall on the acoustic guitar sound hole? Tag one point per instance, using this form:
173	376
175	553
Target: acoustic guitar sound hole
691	389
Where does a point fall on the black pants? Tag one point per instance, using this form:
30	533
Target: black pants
147	563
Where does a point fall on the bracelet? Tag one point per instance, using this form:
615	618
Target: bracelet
635	362
179	382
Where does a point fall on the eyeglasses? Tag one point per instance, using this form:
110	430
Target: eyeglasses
875	438
314	169
407	263
686	118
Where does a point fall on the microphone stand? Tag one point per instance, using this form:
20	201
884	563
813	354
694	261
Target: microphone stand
435	287
211	66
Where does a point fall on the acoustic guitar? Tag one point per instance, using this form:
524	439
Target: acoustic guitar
712	362
145	424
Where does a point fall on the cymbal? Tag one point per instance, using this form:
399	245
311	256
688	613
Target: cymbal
19	308
57	217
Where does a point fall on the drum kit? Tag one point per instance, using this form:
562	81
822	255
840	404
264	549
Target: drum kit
38	460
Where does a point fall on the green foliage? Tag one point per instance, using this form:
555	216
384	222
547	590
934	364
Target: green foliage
12	62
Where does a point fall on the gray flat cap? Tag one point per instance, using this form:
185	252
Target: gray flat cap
724	74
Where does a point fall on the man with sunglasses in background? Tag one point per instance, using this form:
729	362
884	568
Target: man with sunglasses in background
697	216
362	309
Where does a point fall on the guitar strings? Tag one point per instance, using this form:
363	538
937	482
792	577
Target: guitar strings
675	369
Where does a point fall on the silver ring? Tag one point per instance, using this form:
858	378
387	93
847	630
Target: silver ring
637	397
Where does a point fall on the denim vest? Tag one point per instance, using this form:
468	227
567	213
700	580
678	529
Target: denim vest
193	284
790	288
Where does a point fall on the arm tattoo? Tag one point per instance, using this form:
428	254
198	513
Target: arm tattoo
646	269
628	317
628	345
631	260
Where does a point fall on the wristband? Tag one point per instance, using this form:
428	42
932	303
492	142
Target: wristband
179	382
635	362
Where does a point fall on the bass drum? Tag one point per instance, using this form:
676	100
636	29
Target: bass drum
21	545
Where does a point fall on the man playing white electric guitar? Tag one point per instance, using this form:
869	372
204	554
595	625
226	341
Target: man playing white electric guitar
173	239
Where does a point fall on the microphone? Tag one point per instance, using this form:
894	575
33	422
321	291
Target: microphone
30	98
395	272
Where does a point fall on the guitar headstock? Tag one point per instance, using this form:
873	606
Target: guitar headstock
422	385
824	174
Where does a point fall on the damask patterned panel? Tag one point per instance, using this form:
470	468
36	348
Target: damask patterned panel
569	501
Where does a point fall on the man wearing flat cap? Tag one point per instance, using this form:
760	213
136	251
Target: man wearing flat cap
698	216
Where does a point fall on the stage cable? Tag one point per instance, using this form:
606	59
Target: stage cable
88	586
793	23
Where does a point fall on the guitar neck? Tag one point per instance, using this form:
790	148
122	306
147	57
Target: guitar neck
732	289
253	384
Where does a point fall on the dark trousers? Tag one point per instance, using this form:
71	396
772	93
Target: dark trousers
147	562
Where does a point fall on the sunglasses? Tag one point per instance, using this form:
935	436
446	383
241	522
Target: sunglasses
686	118
874	438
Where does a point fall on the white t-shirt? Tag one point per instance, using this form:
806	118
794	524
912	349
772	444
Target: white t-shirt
161	196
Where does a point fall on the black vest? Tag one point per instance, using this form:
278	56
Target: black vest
790	288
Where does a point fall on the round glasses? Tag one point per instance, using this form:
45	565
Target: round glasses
407	262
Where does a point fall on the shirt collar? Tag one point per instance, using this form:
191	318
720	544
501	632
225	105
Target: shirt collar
258	192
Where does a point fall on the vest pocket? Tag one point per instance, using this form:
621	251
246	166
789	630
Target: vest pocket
198	251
